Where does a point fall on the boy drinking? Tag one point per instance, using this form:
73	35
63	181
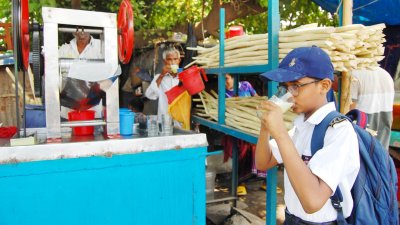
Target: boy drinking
310	181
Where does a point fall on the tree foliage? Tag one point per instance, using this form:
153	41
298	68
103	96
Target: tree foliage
163	15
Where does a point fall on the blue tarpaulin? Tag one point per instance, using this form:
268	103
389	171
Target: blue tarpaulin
368	12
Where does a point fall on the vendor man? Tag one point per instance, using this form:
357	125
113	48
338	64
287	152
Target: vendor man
82	46
165	80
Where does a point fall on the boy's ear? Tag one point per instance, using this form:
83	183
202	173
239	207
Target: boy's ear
326	85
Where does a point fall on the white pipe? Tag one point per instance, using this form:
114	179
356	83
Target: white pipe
73	30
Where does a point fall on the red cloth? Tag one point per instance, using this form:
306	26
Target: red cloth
243	147
247	167
7	132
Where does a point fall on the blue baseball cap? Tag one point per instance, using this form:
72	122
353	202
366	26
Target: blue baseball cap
302	62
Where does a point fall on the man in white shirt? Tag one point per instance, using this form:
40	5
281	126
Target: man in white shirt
164	81
82	46
309	180
372	92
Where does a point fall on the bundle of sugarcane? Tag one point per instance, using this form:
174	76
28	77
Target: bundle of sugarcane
358	46
350	47
239	50
240	112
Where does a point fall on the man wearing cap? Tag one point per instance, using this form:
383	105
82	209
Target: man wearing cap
310	181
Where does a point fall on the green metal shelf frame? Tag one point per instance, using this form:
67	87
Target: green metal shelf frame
273	62
226	130
239	69
395	139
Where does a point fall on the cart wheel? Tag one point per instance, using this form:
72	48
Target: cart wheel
125	31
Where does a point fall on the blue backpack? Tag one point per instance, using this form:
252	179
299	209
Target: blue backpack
375	189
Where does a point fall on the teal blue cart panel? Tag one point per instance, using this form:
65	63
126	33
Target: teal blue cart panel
162	187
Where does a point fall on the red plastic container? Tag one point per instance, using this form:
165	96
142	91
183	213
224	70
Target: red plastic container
235	31
82	115
7	132
174	93
191	79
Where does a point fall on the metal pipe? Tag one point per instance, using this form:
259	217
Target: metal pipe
221	76
83	123
73	30
16	22
273	63
24	102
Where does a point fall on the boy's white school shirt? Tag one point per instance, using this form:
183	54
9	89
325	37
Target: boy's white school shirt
337	163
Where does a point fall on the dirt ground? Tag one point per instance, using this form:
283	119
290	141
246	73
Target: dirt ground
255	200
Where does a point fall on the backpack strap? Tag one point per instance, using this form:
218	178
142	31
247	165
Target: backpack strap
317	142
317	139
336	199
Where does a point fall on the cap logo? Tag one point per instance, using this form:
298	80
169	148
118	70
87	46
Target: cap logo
293	62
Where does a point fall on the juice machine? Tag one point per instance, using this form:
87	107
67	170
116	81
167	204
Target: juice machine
113	36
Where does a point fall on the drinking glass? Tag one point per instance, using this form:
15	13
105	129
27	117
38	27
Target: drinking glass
152	125
166	127
285	102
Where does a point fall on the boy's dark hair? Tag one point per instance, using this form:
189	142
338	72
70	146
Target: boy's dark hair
137	104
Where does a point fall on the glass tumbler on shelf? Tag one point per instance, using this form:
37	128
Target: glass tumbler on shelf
152	125
142	124
166	127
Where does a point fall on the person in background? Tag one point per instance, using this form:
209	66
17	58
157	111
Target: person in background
372	91
164	81
245	89
82	46
309	180
136	105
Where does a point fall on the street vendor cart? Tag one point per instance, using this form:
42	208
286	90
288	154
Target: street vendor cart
100	178
157	180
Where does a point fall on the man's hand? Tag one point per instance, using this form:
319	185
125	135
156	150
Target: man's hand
272	119
166	69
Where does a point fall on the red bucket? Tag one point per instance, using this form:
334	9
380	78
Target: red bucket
174	93
191	79
235	31
82	115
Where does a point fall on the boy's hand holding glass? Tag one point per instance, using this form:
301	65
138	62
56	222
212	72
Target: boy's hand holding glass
282	98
